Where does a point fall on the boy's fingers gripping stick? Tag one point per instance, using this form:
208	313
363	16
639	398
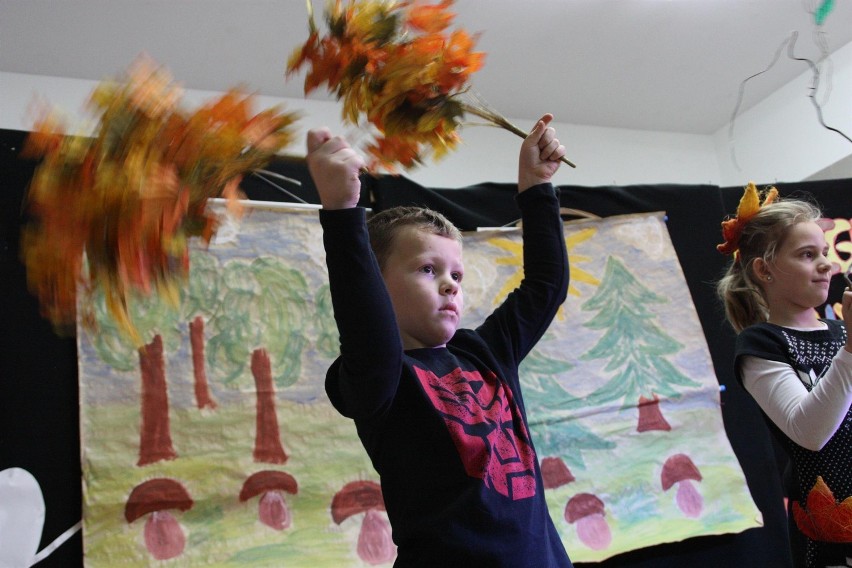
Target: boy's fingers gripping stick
317	138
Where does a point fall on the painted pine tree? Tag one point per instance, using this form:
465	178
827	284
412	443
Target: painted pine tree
550	411
634	346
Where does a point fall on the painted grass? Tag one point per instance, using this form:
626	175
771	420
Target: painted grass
214	460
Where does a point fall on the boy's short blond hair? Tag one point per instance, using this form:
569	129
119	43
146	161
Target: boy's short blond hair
385	225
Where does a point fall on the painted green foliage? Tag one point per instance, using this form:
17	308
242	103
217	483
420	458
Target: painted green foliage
328	338
265	307
152	315
554	426
633	344
201	295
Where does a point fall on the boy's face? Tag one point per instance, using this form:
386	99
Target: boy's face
423	275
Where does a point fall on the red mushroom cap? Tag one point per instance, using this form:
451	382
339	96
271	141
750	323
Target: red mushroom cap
582	505
555	473
356	497
158	494
268	480
677	468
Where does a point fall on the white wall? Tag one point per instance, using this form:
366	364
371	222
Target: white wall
603	155
777	140
781	139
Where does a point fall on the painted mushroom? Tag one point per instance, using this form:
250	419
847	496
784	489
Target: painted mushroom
555	473
587	512
272	509
680	470
164	536
375	545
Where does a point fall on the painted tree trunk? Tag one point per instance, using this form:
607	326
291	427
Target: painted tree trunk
267	439
155	442
650	415
199	370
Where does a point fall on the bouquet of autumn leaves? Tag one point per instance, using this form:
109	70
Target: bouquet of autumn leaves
395	64
115	210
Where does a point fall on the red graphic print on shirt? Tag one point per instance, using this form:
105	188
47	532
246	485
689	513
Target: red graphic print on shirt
486	426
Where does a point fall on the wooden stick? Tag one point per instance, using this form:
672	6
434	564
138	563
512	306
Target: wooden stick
500	121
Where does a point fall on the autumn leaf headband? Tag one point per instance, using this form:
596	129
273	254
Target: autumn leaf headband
749	205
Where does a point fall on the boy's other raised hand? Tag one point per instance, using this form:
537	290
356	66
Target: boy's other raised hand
540	155
335	169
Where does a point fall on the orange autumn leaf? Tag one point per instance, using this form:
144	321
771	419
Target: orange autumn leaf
307	51
127	199
394	65
230	107
824	519
460	61
750	203
388	152
431	19
46	136
150	89
233	194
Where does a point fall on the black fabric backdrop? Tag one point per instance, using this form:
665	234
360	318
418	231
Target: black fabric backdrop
39	420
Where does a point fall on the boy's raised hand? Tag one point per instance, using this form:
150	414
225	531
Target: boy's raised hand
334	167
540	155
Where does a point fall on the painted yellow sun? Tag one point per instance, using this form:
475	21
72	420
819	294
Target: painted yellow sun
516	259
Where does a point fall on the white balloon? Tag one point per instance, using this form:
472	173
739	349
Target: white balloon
21	517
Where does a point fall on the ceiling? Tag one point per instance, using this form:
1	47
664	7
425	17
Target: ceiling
665	65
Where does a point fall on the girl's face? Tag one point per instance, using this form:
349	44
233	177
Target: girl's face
423	275
797	280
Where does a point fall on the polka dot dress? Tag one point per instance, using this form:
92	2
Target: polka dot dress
810	353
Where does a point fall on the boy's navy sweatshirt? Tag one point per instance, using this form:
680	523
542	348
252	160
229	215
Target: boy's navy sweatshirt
446	428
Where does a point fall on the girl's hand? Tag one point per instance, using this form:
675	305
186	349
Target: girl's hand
846	306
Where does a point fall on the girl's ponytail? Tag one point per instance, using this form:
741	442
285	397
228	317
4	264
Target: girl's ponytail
743	300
